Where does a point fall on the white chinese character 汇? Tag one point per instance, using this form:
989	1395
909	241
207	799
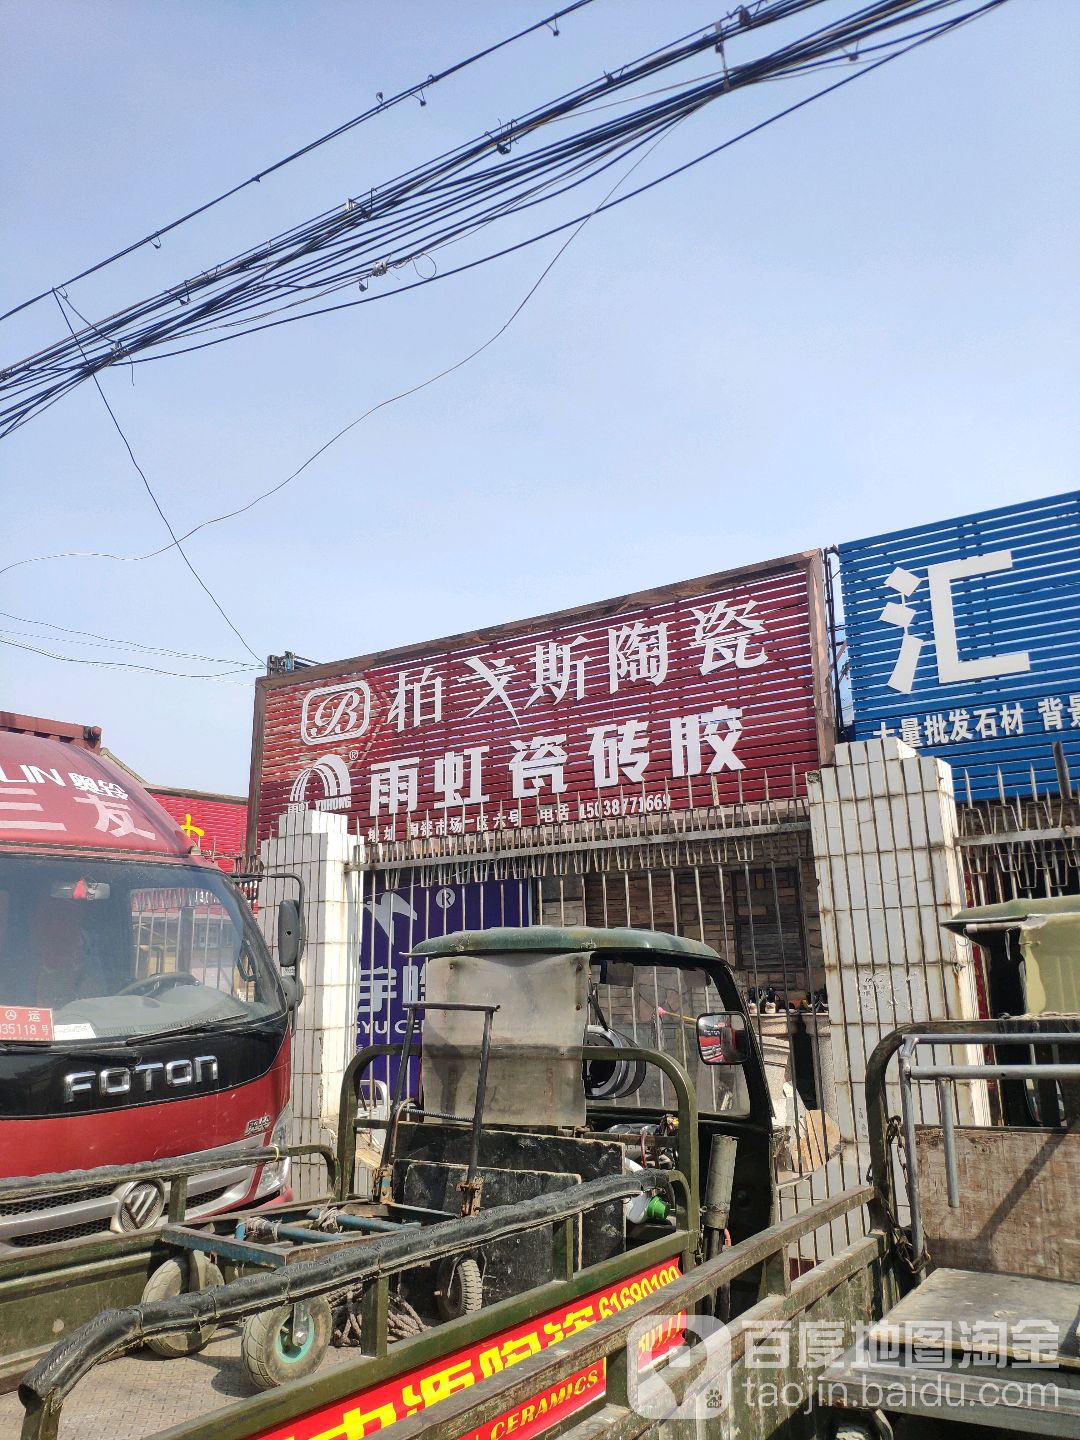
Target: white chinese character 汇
951	667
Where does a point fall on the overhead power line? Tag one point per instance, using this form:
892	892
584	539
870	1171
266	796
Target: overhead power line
93	638
121	664
410	219
911	42
176	544
414	92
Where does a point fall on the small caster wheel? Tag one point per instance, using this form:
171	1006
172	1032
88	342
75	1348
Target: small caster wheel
460	1288
176	1277
287	1343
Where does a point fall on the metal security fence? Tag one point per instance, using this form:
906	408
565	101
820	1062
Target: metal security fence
1021	848
743	880
738	878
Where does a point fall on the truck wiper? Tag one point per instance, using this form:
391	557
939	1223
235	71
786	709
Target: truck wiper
199	1027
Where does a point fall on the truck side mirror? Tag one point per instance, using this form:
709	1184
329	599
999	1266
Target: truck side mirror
723	1039
293	987
290	935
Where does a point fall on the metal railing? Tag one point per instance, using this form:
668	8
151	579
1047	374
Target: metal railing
372	1264
468	1412
947	1075
176	1172
882	1127
686	1140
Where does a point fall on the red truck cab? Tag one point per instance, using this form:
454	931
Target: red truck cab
141	1015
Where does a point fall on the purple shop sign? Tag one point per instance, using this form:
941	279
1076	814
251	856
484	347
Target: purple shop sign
395	920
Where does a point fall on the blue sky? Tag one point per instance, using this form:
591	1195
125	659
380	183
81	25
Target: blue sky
863	318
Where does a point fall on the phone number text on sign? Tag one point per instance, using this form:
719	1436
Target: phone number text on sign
21	1022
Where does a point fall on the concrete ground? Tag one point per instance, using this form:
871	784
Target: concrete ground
142	1394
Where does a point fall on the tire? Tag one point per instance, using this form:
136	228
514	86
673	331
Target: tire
460	1288
610	1079
168	1281
266	1349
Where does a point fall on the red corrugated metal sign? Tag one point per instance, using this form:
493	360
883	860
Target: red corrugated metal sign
702	692
55	793
216	824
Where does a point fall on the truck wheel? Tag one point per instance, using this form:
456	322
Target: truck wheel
460	1288
168	1281
269	1353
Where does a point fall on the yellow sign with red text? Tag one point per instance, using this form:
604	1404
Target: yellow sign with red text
357	1416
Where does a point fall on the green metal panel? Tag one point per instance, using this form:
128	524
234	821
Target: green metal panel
1015	910
1042	932
39	1306
557	939
1051	954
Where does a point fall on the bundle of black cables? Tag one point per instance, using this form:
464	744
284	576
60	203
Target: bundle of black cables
409	220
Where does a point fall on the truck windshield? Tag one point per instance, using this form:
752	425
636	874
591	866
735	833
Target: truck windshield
121	949
656	1007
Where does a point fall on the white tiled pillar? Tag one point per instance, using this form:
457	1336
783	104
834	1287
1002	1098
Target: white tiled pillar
884	828
315	845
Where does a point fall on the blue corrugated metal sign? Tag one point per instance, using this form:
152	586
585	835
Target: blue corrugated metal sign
964	639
